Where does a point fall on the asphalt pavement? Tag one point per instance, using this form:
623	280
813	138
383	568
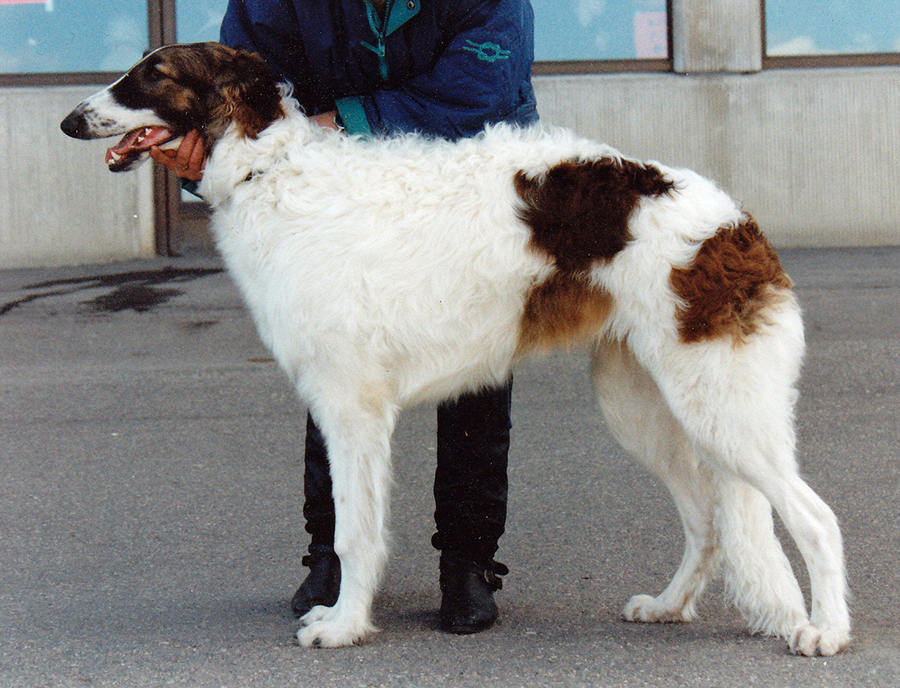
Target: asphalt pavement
151	492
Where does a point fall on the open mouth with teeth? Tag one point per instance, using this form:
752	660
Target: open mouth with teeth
135	147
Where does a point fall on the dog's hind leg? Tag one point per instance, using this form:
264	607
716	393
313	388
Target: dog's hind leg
736	403
358	441
642	423
814	527
758	576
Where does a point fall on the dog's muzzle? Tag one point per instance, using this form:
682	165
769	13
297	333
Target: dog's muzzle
131	151
75	125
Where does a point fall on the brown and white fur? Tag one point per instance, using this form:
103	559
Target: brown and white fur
387	272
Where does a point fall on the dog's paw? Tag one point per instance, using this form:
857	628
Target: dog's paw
652	610
315	614
328	627
811	641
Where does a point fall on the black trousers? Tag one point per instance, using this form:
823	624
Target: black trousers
470	483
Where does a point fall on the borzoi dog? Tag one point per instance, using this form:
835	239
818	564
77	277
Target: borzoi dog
387	272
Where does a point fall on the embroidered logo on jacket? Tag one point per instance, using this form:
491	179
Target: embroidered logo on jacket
487	52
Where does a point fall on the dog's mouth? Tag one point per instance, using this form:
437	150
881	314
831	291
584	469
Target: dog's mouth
135	147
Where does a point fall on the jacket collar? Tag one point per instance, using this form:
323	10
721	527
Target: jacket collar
398	13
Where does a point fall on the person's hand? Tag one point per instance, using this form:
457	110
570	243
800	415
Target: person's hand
188	161
327	120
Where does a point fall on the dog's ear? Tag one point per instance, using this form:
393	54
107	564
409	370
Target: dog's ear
251	98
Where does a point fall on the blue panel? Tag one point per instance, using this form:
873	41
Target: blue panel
832	27
198	20
599	29
80	36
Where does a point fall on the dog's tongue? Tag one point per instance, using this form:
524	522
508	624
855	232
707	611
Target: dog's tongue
138	140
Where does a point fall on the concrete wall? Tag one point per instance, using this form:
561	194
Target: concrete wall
812	153
59	205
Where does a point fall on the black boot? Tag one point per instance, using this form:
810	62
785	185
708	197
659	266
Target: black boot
470	489
467	592
323	583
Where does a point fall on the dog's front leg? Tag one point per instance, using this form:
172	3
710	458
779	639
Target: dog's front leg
359	456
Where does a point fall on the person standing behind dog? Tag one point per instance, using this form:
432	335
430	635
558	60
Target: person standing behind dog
443	68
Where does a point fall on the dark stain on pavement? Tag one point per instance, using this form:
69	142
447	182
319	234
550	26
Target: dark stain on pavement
139	291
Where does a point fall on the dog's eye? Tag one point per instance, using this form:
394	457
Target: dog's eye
160	72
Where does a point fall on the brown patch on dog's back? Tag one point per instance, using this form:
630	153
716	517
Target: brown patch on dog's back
733	277
578	211
563	310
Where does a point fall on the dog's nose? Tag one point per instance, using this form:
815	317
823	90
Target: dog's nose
74	125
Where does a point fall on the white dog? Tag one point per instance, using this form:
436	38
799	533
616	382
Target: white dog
387	272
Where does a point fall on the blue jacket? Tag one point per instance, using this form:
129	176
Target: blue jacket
439	67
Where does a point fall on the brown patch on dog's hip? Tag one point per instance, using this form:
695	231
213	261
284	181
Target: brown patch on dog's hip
735	275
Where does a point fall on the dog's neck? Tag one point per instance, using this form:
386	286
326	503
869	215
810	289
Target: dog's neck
236	158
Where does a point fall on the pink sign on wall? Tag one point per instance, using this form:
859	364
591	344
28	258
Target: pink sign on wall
48	4
651	35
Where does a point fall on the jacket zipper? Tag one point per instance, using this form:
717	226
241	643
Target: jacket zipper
379	28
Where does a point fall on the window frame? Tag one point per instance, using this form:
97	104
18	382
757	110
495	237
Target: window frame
571	67
160	30
821	61
617	66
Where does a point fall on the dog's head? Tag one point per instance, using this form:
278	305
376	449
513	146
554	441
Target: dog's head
177	88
